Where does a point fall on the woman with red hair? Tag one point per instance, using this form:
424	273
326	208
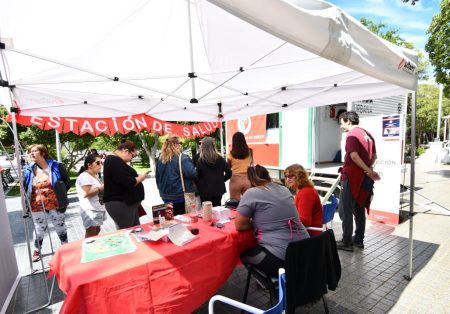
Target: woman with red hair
306	199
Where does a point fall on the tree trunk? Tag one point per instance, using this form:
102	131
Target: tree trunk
72	159
153	152
144	145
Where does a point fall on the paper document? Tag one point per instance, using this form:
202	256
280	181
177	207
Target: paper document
180	235
152	235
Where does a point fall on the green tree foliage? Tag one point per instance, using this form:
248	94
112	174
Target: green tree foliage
74	147
388	33
427	98
391	35
438	45
6	135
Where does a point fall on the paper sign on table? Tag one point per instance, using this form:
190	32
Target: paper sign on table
106	246
180	235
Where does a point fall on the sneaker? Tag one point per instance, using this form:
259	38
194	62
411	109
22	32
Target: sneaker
341	245
36	256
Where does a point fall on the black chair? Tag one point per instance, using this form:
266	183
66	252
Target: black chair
312	267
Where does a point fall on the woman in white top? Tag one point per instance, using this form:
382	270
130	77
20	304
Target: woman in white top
89	191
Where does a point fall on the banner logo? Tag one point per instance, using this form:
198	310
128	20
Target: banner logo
407	66
245	125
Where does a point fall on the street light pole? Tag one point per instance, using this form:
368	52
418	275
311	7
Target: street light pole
441	88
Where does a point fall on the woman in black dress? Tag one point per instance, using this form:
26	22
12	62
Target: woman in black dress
212	173
123	192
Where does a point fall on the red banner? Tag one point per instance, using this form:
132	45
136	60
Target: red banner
136	123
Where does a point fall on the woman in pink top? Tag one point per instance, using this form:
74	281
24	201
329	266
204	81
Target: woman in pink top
306	199
239	159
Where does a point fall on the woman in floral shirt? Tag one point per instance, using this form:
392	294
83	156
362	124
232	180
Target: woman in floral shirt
40	179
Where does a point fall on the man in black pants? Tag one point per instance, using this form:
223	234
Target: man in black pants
357	179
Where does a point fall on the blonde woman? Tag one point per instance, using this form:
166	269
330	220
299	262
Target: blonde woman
168	177
306	199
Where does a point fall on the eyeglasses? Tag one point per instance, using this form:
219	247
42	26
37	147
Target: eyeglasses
289	176
133	154
176	143
98	162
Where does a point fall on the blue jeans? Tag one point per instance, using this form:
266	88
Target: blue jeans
347	208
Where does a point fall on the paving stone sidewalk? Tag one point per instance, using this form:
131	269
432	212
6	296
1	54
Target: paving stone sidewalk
372	279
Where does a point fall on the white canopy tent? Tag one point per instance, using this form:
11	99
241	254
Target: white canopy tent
191	60
176	60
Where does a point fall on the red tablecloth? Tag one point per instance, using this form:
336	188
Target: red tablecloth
159	277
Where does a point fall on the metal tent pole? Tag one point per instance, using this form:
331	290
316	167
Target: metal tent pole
191	50
412	185
25	213
221	138
58	146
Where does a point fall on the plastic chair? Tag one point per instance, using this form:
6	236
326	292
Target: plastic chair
278	308
329	209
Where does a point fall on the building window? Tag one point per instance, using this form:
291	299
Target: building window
272	121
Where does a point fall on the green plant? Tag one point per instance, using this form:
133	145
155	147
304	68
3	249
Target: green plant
420	150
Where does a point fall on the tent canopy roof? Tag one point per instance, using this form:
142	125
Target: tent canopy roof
184	60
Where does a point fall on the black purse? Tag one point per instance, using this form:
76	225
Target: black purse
232	203
61	196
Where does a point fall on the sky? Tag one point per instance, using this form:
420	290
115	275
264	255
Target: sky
412	21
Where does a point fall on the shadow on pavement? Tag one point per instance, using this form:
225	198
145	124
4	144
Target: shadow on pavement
443	173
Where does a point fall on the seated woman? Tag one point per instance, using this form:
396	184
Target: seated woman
307	199
268	208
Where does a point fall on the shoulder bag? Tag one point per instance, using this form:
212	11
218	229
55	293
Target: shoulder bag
61	187
189	197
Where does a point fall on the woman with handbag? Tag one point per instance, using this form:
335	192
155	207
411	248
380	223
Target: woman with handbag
124	191
46	184
90	195
175	176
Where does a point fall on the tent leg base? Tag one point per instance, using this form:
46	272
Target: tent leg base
407	277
